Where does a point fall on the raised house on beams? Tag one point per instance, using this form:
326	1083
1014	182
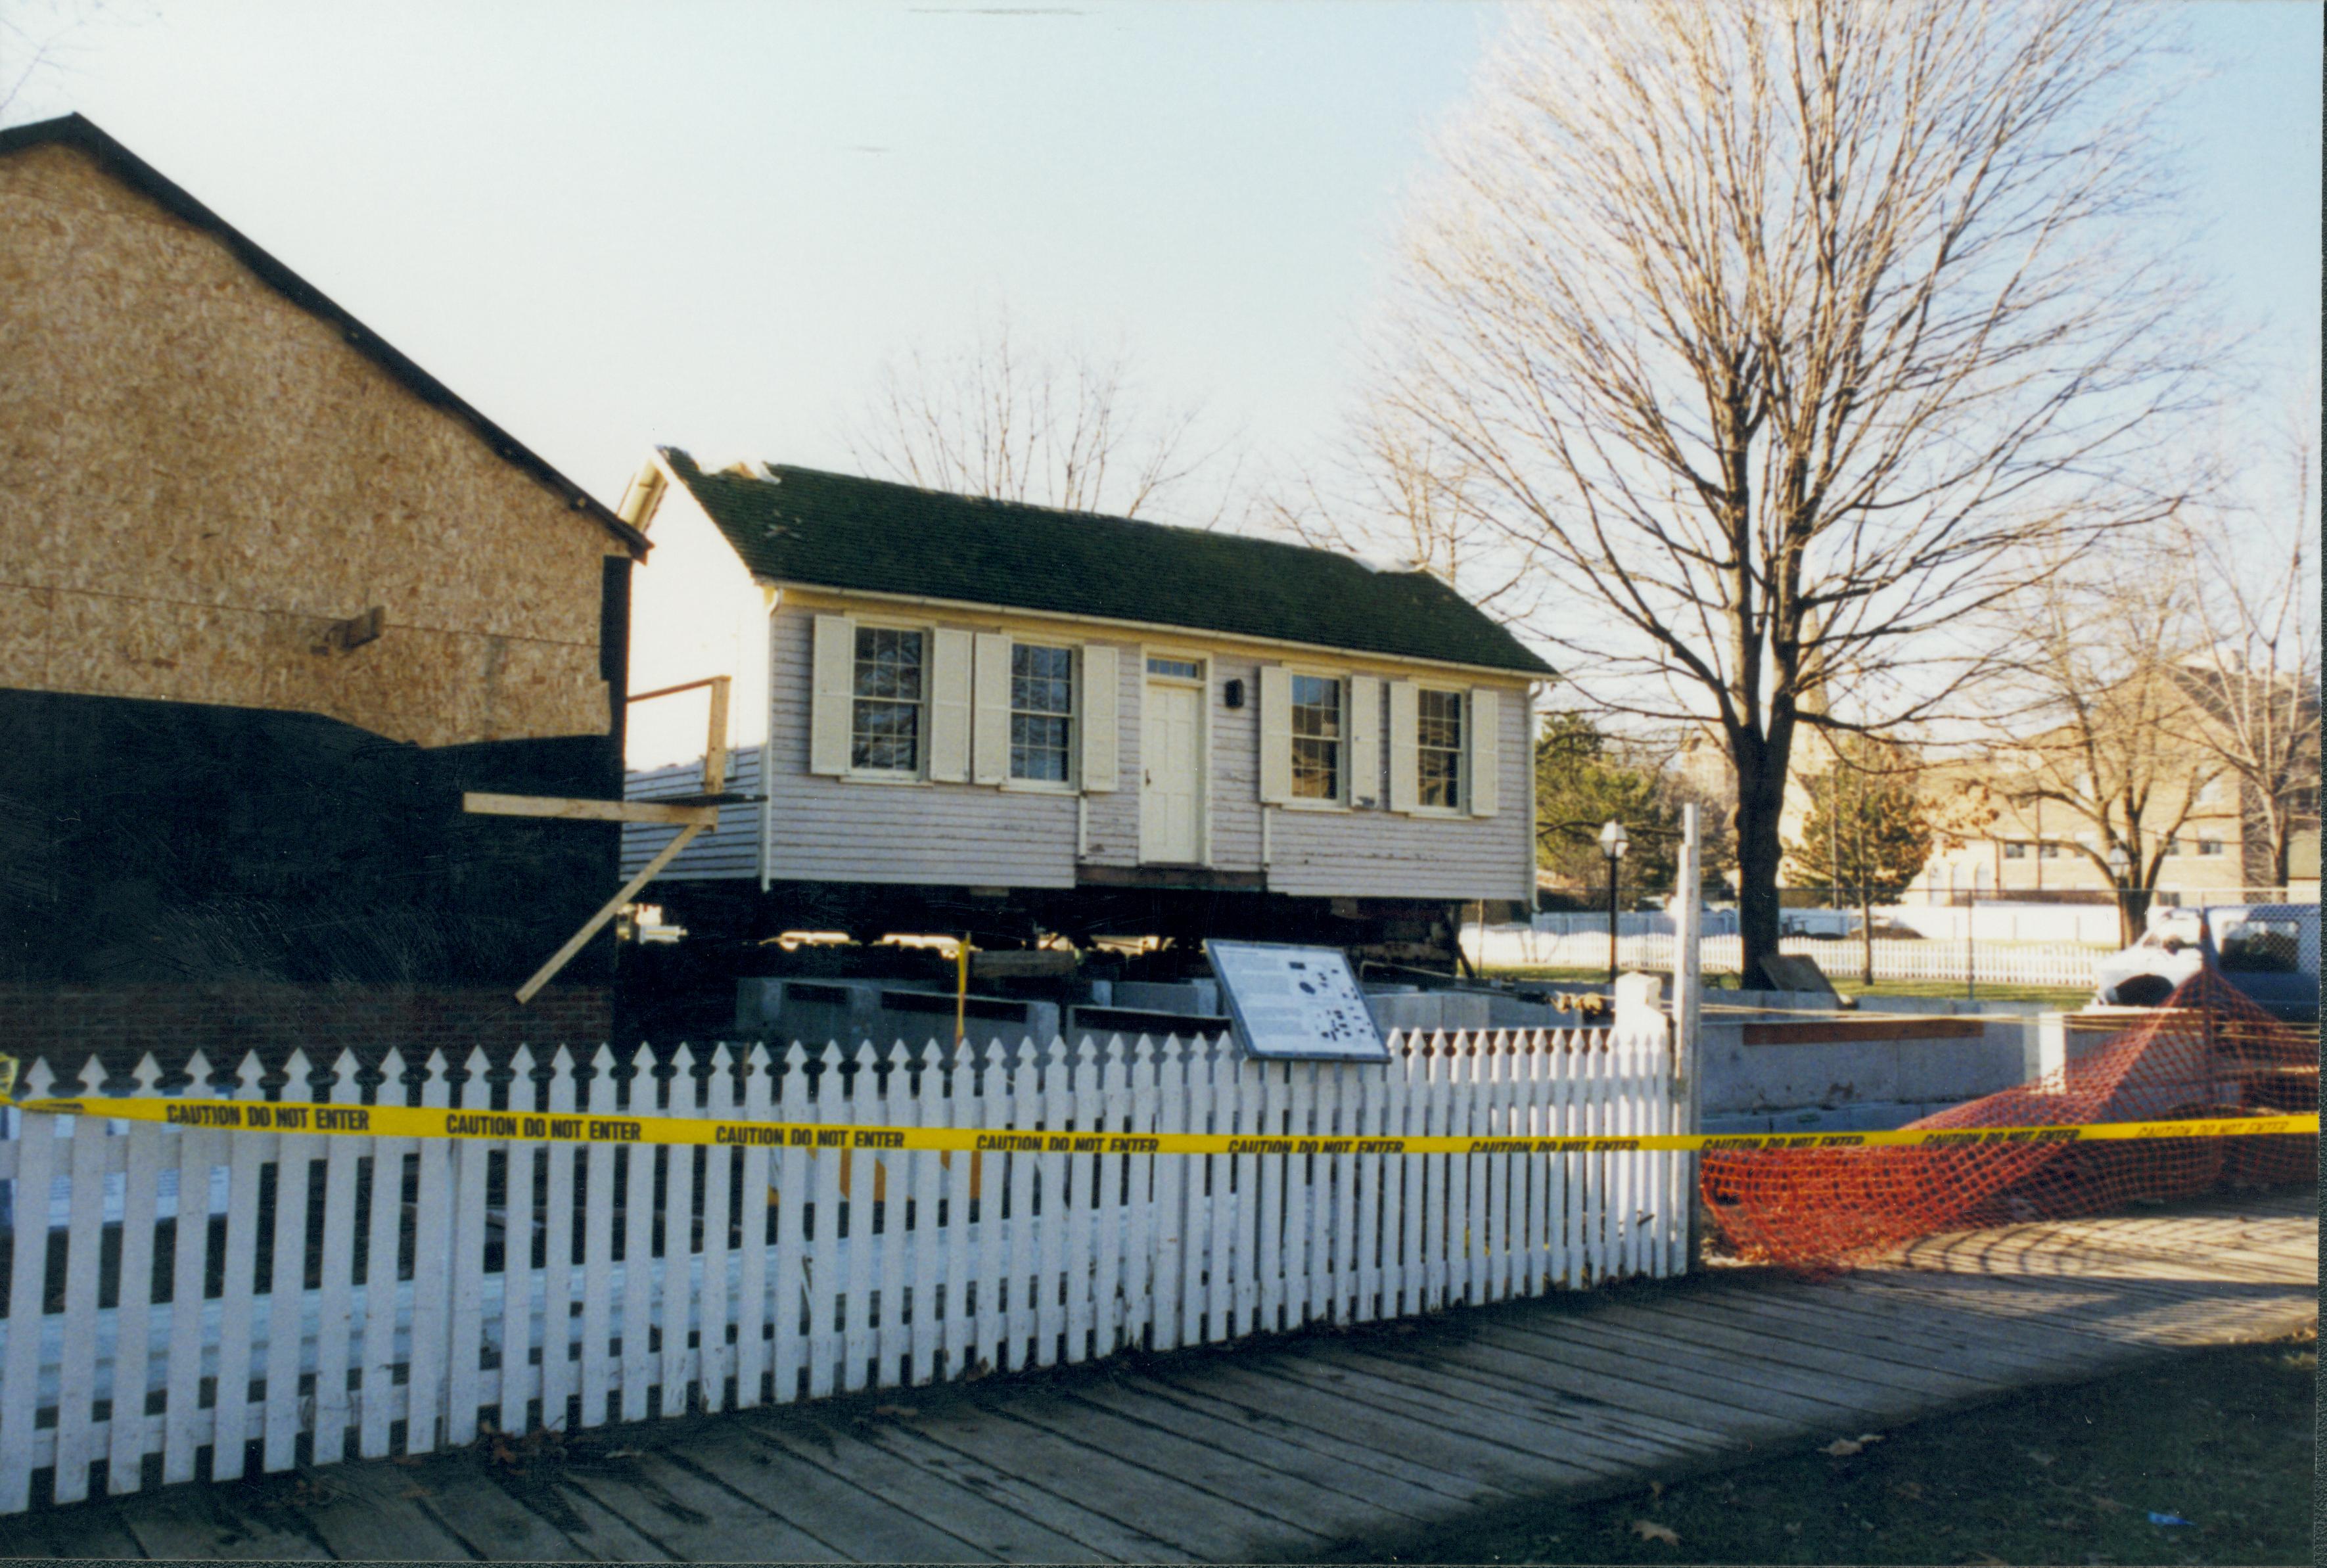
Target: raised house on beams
966	714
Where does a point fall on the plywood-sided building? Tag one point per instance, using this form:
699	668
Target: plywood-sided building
274	599
969	715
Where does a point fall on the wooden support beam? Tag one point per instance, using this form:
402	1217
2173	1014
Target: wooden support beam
692	820
590	810
715	749
575	944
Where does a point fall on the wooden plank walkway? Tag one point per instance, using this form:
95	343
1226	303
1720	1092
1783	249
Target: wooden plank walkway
1273	1448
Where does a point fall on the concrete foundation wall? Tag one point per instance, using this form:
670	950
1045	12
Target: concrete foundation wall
1852	1085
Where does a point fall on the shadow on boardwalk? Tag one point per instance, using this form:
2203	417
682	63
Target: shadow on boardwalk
1276	1448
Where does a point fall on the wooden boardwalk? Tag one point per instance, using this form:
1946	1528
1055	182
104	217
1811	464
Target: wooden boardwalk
1273	1448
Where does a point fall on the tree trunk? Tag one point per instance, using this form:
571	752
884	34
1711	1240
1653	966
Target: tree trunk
1760	800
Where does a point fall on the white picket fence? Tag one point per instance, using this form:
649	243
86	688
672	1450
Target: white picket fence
1986	962
206	1303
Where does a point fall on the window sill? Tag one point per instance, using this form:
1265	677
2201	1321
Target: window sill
1450	813
1306	804
904	780
1037	786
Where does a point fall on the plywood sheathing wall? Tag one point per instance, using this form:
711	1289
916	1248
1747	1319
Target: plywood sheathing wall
198	478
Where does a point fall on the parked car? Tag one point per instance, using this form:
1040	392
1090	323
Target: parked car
1819	925
2269	952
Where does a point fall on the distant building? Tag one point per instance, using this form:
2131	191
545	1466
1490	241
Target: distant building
2214	839
274	598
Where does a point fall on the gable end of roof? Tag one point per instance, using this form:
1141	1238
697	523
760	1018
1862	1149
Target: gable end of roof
77	132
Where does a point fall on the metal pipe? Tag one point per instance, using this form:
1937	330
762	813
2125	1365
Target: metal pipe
1612	925
961	991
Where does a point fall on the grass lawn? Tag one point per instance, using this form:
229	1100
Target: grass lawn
2045	998
2051	998
2222	1438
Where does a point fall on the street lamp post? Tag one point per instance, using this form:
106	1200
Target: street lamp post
2120	863
1613	844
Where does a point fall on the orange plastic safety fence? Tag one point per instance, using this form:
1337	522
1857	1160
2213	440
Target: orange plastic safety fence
2208	1052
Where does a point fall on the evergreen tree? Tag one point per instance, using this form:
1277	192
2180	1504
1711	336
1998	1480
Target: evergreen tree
1868	827
1581	781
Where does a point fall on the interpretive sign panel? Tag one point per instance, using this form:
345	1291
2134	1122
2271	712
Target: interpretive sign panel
1294	1004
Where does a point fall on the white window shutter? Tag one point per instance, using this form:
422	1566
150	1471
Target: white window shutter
831	695
1095	705
989	751
1405	737
1275	734
949	707
1486	749
1365	739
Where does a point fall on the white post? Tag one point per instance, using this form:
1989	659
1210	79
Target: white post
1689	995
2046	1045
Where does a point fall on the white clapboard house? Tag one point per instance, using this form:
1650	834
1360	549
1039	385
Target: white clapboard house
962	714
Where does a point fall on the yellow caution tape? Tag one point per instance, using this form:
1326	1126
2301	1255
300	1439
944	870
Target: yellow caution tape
307	1117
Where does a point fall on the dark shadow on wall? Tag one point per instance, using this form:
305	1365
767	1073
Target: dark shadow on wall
148	843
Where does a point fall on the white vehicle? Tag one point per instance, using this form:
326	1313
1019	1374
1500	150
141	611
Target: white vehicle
2268	952
1837	924
1822	925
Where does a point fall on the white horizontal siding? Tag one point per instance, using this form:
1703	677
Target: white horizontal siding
830	829
730	850
1236	767
826	829
1389	854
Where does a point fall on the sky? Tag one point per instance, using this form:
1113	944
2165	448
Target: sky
611	225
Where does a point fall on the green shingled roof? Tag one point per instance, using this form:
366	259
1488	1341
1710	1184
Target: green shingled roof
830	530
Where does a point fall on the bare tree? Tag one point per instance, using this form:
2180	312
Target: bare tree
1784	337
38	39
2095	724
1058	428
1398	495
2253	682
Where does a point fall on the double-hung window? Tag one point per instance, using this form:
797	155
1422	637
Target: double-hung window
2014	850
1438	743
886	720
1318	725
1041	711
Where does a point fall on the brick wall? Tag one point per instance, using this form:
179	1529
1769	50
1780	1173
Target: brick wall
67	1024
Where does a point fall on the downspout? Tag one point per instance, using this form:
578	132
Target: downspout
775	597
1528	899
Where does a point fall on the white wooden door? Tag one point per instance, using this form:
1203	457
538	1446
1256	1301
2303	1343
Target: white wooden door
1171	774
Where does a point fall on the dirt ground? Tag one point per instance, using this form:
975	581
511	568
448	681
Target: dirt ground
2222	1440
